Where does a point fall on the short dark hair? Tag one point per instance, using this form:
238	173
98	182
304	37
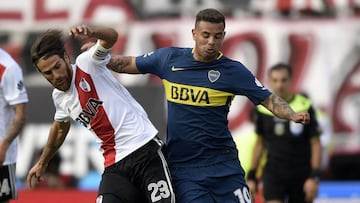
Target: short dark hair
281	66
210	15
48	44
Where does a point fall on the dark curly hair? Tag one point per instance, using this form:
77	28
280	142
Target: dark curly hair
48	44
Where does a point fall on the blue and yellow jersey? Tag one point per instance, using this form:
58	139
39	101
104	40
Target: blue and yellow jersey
199	95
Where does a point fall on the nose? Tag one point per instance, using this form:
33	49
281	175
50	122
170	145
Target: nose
211	41
56	74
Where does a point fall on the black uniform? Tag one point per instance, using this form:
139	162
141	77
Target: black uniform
289	151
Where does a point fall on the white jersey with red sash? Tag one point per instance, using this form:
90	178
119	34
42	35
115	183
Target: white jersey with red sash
12	92
100	103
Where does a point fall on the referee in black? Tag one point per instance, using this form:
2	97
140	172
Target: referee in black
292	169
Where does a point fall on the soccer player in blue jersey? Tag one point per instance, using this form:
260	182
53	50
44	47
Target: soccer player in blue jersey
200	84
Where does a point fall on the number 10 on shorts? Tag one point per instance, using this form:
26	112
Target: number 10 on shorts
243	195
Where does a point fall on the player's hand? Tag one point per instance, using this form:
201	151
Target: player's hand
311	187
87	45
301	117
81	32
35	175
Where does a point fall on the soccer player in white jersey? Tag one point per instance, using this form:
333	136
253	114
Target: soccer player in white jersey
86	92
13	99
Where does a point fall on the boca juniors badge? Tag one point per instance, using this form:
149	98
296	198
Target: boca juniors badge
213	75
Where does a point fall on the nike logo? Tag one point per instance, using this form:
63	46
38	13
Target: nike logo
173	68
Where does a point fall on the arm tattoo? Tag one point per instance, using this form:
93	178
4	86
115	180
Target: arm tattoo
279	107
116	64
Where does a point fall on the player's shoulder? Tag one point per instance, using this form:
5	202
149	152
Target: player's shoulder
56	94
83	57
167	53
232	63
235	67
4	54
174	50
6	59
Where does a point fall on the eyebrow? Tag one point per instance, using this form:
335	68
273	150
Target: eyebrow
51	67
207	32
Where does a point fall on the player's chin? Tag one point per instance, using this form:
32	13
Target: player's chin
62	87
210	56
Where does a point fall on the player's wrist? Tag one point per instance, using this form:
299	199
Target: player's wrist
315	174
251	175
100	51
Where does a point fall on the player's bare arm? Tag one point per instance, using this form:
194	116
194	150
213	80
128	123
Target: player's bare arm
123	64
282	109
57	135
15	127
107	36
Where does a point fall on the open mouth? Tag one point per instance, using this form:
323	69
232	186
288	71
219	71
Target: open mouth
210	51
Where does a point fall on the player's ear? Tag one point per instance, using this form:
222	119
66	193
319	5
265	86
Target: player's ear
66	57
193	31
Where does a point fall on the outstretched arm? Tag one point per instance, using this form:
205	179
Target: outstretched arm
57	135
107	36
281	109
123	64
118	63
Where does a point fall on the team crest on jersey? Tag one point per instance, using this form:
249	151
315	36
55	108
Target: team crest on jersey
84	85
213	75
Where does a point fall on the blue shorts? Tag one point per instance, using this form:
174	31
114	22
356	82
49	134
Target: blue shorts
219	183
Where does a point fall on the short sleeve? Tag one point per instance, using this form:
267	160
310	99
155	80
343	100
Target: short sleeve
86	60
248	85
13	85
60	114
153	62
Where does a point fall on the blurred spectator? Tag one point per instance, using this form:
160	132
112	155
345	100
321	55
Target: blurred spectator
304	8
288	8
344	7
